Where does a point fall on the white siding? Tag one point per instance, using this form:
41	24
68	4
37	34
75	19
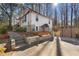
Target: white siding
41	21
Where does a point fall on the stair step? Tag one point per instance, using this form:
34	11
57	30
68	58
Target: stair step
18	46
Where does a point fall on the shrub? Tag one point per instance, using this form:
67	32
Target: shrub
3	31
20	29
1	41
3	28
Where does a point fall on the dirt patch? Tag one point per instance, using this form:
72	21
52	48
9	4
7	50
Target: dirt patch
34	33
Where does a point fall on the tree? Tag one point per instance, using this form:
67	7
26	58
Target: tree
66	14
75	11
61	14
9	9
71	17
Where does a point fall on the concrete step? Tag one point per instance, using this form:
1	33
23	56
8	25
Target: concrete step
19	46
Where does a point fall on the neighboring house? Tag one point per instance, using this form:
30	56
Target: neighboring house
34	21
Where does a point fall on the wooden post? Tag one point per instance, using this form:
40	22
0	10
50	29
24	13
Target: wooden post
13	45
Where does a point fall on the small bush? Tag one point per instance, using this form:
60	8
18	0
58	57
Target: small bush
3	28
3	31
1	42
20	29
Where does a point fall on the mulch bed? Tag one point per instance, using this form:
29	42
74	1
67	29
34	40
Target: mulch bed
4	37
34	33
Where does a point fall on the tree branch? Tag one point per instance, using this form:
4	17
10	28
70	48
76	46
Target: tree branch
5	11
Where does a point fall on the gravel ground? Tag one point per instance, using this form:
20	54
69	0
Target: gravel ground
74	41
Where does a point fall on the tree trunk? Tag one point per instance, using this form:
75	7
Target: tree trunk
71	17
66	15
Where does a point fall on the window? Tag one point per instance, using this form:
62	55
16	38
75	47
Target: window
26	29
49	22
24	19
33	29
36	28
36	18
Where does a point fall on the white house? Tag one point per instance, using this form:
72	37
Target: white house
34	21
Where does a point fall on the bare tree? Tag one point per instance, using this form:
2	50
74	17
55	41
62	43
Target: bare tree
75	14
66	14
71	17
9	9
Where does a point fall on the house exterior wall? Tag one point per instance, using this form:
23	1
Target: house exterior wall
35	25
41	20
